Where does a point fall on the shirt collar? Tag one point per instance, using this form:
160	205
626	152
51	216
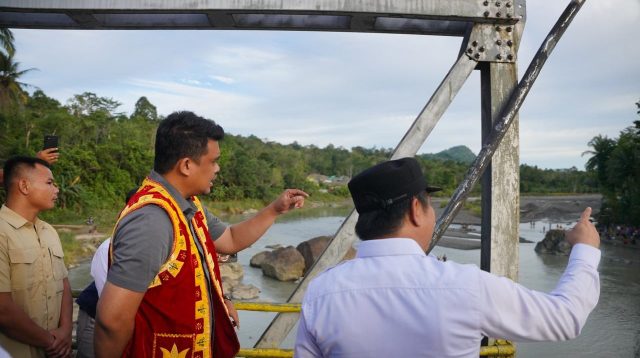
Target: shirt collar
14	219
186	205
389	247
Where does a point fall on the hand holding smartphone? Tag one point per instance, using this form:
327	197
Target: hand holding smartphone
49	150
50	141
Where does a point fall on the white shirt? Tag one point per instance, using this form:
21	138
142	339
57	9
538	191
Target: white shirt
100	265
394	301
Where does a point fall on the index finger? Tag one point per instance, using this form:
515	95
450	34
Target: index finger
297	192
586	214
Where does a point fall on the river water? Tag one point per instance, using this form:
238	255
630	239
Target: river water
613	328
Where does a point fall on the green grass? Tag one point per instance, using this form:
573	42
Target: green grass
73	249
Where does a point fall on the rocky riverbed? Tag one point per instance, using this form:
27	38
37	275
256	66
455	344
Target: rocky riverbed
533	208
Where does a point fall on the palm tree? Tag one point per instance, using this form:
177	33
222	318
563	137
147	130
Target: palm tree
11	89
11	92
6	41
602	148
637	123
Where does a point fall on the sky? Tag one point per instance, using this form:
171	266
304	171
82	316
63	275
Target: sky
355	89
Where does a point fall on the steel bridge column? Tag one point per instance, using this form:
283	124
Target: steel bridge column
501	181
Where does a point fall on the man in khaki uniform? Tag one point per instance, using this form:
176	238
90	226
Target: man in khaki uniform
35	295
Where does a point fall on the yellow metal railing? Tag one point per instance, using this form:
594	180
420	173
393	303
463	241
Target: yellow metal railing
500	348
265	353
503	349
267	306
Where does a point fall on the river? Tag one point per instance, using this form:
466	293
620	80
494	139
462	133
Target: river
613	328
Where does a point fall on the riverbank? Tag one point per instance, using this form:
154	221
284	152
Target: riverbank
79	241
556	208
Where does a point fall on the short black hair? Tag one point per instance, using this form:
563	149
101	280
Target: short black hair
384	222
14	167
183	135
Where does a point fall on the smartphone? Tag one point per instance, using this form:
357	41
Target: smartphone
50	141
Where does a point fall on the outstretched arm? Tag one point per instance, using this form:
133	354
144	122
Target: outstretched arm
241	235
515	312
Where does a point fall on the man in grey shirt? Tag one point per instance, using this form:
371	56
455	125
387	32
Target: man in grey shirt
185	165
149	238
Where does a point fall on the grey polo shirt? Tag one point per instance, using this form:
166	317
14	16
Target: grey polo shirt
143	239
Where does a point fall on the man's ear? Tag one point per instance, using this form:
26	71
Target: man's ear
184	166
24	186
416	212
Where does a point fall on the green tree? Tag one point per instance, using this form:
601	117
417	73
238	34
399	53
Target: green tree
6	41
602	148
12	94
144	109
89	103
617	164
637	123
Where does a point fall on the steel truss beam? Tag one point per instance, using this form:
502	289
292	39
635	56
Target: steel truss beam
427	17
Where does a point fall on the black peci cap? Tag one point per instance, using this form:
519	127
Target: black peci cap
388	183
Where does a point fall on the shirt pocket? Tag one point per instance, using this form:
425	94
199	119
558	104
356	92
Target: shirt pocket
57	263
23	267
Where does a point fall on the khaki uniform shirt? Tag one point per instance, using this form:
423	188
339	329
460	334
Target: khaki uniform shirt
32	269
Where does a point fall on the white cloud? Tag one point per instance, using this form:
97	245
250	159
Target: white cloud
224	79
353	89
171	96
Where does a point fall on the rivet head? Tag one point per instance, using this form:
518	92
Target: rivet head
509	43
498	28
507	4
498	3
486	14
499	42
469	50
474	43
498	14
486	3
509	15
509	29
499	56
510	57
481	49
477	56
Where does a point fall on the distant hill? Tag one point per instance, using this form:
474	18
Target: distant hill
460	154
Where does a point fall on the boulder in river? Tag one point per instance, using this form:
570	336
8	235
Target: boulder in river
554	243
244	292
312	249
284	264
231	271
258	259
